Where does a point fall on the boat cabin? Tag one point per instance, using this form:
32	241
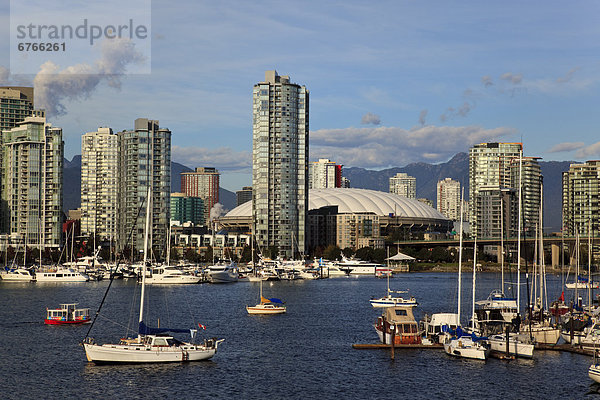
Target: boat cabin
67	313
400	323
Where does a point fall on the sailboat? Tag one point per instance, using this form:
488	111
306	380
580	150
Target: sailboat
152	345
462	344
267	306
390	301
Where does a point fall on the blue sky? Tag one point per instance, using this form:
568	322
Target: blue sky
391	82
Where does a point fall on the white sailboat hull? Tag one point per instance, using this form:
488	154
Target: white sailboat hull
594	372
543	334
515	347
115	353
173	280
466	348
258	309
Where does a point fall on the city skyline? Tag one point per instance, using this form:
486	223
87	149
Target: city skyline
392	83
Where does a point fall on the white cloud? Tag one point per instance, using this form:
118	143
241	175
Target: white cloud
592	150
568	76
223	158
370	118
53	86
566	146
380	147
515	79
487	81
3	75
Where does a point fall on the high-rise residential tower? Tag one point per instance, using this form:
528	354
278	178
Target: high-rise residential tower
16	104
244	195
404	185
203	183
144	161
99	183
280	163
489	172
448	198
32	157
581	198
324	174
531	192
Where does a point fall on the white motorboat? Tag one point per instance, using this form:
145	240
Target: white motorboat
170	275
17	275
519	345
222	272
353	266
434	326
151	345
60	274
497	307
267	306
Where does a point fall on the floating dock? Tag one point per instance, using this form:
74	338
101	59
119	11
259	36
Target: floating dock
557	347
397	346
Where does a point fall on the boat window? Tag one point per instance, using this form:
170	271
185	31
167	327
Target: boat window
401	312
160	342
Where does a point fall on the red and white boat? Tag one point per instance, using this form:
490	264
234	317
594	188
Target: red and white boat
67	314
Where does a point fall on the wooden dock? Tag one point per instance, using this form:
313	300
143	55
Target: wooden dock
397	346
566	348
558	347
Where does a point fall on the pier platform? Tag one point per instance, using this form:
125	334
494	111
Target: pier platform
397	346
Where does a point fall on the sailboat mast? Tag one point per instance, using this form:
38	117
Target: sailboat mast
474	268
146	234
502	241
589	284
460	233
519	237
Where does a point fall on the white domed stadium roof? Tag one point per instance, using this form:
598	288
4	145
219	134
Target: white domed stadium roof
358	201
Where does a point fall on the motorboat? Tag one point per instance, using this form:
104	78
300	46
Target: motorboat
433	326
171	275
222	272
497	307
152	345
60	274
267	306
353	266
67	314
397	326
17	275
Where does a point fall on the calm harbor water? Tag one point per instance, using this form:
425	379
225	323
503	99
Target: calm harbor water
306	353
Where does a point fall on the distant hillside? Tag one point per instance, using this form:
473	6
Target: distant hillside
457	168
72	184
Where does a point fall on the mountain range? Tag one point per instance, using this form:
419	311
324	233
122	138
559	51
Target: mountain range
427	176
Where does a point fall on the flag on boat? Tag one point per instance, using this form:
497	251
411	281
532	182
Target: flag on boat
201	326
562	296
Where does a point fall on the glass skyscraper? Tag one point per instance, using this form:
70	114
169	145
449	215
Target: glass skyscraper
280	164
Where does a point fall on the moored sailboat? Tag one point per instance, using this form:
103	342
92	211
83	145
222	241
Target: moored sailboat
151	344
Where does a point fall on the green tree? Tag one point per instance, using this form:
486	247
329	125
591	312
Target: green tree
332	252
348	252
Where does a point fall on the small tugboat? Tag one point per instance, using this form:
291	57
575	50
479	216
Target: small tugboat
398	324
67	314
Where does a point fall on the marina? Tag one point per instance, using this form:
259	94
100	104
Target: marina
311	345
